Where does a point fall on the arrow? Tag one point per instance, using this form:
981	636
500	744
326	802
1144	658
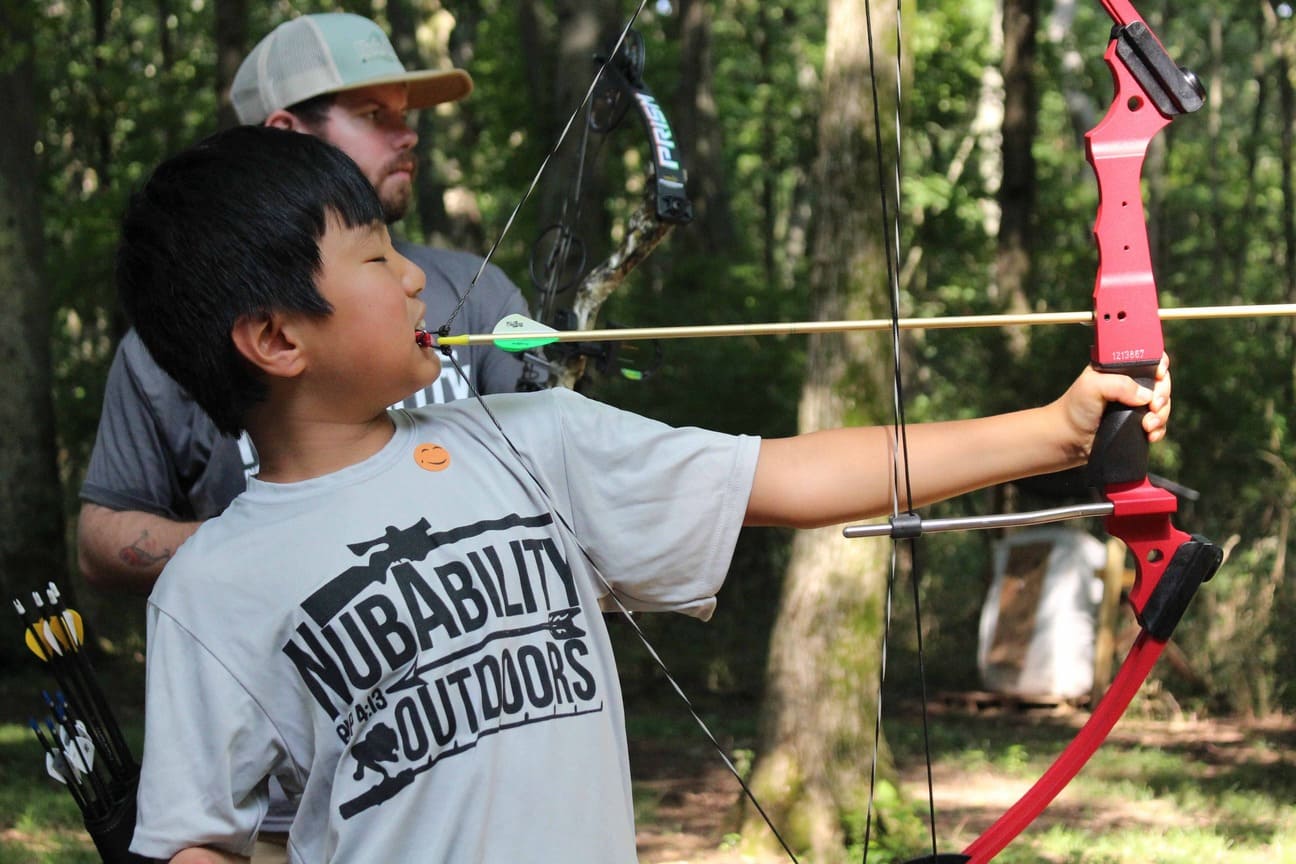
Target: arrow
56	635
517	333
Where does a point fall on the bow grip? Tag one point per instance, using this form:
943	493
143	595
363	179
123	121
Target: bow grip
1120	448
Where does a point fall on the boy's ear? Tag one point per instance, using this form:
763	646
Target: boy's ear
267	343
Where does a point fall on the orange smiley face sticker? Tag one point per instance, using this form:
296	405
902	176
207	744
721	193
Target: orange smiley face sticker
432	457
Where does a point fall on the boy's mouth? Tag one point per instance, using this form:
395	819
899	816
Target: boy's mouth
422	337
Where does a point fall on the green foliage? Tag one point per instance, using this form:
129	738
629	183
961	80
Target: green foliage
117	94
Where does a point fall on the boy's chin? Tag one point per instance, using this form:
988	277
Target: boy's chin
431	370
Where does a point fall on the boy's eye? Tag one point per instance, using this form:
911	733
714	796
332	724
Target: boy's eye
380	259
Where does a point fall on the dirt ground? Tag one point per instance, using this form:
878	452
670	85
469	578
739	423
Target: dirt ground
699	795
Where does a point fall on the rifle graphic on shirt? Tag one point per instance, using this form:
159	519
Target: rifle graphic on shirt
560	625
414	543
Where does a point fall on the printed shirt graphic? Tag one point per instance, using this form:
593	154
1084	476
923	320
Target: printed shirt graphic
420	654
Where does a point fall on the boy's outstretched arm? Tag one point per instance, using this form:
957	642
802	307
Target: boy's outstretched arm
840	475
203	855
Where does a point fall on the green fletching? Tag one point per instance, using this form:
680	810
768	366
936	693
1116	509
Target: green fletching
519	345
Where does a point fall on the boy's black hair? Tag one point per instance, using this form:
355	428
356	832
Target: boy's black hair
226	229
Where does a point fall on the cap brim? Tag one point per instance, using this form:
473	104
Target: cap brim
425	88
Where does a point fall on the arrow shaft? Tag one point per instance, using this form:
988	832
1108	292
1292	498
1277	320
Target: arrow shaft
789	328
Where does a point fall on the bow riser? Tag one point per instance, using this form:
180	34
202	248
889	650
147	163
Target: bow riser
1127	331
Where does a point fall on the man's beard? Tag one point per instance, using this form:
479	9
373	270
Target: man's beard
396	200
396	204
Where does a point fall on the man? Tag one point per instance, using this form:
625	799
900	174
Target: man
159	466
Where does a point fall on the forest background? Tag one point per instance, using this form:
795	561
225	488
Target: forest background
995	214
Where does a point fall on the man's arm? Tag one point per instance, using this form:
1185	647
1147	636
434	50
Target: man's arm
839	475
157	463
125	550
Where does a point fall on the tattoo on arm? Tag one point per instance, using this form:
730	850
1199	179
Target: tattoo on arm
136	555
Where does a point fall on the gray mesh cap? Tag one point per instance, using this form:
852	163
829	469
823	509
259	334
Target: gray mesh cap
317	54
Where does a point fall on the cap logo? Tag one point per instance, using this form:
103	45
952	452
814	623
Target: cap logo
375	47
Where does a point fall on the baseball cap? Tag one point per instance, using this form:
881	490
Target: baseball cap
328	53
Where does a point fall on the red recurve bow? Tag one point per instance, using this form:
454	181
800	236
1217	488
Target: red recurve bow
1150	90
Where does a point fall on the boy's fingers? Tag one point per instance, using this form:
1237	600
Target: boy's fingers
1123	389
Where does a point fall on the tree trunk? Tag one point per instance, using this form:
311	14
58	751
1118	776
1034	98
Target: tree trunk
822	684
698	132
32	550
584	29
1017	194
231	46
448	215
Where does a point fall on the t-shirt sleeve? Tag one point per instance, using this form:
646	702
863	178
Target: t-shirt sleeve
129	468
199	784
155	450
658	508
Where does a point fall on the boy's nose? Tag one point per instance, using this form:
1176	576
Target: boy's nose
415	278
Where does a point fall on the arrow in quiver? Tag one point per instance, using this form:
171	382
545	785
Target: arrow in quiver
84	746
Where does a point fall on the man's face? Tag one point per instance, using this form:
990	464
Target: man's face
369	125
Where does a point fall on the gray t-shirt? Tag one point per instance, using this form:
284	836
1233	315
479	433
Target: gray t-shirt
413	644
156	451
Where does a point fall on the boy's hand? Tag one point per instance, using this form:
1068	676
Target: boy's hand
1083	402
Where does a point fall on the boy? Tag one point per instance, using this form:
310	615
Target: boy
396	620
